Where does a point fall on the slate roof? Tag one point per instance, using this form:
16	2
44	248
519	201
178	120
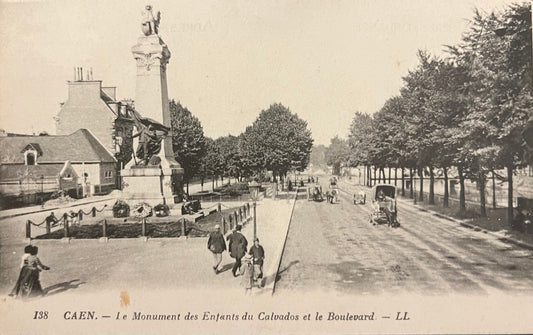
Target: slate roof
80	146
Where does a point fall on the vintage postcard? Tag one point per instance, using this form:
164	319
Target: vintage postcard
266	167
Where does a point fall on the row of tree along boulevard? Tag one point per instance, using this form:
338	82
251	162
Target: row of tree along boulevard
277	142
465	112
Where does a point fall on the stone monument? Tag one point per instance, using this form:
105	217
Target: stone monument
153	176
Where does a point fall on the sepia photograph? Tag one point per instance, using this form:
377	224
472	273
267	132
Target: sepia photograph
266	167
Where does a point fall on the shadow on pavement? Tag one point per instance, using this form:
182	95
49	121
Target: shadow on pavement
226	267
62	287
270	279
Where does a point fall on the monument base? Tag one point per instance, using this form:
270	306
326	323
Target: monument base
151	184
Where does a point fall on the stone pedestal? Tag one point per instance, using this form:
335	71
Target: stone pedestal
151	184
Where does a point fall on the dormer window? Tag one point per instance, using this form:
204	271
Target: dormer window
31	152
30	158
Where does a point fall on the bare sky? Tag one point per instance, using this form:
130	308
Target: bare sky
230	59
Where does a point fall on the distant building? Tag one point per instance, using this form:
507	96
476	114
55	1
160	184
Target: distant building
33	166
93	107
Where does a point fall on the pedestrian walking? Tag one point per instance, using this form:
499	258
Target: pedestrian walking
28	283
258	256
238	245
216	245
246	270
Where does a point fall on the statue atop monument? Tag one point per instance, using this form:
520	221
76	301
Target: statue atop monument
150	24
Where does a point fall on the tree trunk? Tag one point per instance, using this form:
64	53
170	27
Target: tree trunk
510	169
411	186
187	186
213	183
431	186
375	175
493	190
462	200
368	176
403	183
389	174
482	199
395	176
445	202
421	193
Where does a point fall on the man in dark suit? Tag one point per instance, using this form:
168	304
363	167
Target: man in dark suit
238	245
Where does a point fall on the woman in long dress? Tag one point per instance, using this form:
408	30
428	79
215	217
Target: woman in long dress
28	283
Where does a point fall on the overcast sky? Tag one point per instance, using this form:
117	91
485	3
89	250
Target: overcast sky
230	59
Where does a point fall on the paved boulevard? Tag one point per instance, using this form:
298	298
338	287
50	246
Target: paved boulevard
334	247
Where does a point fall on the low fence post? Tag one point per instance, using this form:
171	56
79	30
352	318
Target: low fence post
240	214
219	207
236	218
248	206
104	228
183	227
28	229
93	211
80	215
223	226
143	227
65	227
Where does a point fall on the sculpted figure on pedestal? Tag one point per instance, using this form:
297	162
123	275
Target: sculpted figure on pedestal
150	24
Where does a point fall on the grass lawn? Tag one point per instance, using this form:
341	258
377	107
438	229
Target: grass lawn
162	227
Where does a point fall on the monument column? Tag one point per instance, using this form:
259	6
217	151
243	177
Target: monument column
160	180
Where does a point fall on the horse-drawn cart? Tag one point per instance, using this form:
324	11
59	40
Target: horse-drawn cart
314	192
384	209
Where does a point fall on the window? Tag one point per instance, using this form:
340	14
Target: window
108	174
30	158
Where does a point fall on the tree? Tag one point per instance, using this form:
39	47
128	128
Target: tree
188	141
360	141
228	147
337	154
278	141
497	53
212	162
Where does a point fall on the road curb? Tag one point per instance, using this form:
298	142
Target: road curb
466	224
280	256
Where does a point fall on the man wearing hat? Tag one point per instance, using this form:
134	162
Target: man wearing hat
238	248
216	245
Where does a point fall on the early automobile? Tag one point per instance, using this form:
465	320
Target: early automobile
384	209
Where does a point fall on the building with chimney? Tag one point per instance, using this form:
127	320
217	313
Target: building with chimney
95	107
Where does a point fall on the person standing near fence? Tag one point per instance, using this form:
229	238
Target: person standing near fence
216	245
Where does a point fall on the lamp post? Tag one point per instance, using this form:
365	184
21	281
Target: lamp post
254	194
42	191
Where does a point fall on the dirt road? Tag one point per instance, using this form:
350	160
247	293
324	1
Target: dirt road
334	247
